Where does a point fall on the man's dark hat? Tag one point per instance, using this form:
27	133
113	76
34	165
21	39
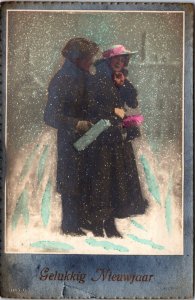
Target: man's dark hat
79	48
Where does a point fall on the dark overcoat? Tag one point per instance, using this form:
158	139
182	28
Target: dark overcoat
65	107
111	173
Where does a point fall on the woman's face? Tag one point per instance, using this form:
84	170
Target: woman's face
117	63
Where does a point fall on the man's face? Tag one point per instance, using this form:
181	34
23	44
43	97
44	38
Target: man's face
85	63
117	63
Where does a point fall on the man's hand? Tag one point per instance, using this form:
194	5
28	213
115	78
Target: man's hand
83	126
119	112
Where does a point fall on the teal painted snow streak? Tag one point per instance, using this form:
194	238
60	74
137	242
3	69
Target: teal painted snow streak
50	245
168	207
136	224
154	145
46	203
106	245
153	186
42	162
28	163
145	242
21	209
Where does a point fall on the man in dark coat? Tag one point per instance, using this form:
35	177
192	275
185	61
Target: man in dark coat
65	111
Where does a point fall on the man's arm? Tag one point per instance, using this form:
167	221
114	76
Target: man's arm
63	94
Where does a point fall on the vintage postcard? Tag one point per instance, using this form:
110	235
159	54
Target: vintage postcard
97	150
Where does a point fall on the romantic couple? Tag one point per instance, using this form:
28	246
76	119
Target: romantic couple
100	183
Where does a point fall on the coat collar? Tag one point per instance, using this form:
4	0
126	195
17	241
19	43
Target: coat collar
104	68
69	68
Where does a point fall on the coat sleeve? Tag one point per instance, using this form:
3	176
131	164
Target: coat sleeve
129	94
63	94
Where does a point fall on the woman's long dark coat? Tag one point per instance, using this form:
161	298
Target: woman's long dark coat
112	180
65	107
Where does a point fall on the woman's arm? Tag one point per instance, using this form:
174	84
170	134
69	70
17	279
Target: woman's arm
129	94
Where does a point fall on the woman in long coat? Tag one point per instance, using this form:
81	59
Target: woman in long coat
112	181
65	111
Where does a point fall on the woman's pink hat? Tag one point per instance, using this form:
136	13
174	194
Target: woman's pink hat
116	50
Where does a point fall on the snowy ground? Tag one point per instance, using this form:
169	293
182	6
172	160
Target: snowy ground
33	209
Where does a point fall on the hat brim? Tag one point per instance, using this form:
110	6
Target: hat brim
126	53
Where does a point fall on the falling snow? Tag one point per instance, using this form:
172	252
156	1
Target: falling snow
34	46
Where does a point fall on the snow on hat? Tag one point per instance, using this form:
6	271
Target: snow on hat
117	50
